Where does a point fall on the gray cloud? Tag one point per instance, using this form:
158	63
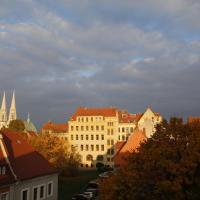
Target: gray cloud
100	54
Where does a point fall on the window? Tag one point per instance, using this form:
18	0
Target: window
91	119
25	194
81	137
77	128
89	157
81	147
97	137
92	137
87	128
102	137
82	128
97	128
4	196
112	151
119	130
123	130
82	119
97	147
76	137
108	131
100	157
86	137
35	193
2	170
92	147
112	142
86	119
86	148
108	142
72	128
49	189
111	131
92	128
42	192
119	137
72	137
102	128
102	147
131	130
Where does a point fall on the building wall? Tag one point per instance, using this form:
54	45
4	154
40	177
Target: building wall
148	122
95	136
125	130
15	190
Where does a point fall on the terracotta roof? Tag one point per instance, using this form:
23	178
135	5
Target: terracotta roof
125	117
192	119
56	128
26	162
130	146
106	112
119	145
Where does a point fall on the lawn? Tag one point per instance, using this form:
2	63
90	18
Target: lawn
69	186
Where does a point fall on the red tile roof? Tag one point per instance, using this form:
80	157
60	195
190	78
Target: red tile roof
56	128
106	112
26	162
125	117
130	146
192	119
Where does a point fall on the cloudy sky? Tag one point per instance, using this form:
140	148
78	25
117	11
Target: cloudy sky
61	54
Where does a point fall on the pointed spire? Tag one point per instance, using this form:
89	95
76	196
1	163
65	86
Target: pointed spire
13	111
28	118
3	105
3	109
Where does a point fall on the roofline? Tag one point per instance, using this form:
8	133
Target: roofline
6	156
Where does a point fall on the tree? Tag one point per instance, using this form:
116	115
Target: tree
166	167
58	152
16	125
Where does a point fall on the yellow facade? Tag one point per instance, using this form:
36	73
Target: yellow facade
94	137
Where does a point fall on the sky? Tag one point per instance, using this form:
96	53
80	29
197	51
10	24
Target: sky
59	55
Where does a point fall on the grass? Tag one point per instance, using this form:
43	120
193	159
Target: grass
69	186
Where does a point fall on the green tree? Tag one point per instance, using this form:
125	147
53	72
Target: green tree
166	167
16	125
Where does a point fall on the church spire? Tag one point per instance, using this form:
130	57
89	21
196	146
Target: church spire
28	118
3	109
13	111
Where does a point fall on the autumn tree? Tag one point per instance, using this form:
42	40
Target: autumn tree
58	152
16	125
166	167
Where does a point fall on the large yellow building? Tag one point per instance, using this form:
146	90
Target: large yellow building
95	131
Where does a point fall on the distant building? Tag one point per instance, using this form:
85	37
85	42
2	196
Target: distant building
4	117
148	121
95	131
24	173
192	119
29	125
59	130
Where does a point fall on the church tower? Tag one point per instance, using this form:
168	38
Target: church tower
3	112
13	111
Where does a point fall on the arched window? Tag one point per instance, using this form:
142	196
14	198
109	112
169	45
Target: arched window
89	157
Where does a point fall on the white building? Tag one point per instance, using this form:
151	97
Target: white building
6	117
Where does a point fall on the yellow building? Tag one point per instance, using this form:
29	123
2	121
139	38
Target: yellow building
95	131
